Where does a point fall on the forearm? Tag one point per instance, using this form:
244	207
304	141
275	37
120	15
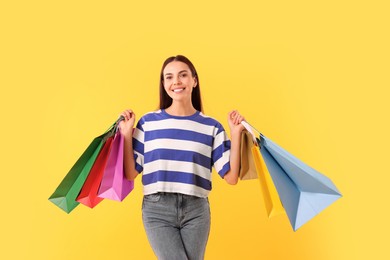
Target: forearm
128	159
232	176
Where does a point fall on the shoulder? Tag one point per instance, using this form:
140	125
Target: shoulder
150	116
210	121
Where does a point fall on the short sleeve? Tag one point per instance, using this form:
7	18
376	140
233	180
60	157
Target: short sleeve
221	151
138	145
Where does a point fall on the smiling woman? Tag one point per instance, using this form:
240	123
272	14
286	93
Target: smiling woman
179	75
179	83
175	149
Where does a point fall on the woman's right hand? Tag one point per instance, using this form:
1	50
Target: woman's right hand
126	125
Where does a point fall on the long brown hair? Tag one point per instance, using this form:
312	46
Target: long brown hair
165	100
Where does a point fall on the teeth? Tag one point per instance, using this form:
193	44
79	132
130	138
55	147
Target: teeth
178	90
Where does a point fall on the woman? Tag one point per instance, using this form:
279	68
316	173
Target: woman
176	148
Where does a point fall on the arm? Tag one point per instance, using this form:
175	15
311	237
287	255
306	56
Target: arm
234	119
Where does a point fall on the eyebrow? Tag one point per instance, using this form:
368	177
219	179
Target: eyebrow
178	73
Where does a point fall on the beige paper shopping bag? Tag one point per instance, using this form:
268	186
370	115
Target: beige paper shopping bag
248	166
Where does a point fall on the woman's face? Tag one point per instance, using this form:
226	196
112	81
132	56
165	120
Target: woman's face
178	81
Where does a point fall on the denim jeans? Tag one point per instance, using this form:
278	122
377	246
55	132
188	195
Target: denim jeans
177	225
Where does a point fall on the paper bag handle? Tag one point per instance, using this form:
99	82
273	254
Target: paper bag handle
250	129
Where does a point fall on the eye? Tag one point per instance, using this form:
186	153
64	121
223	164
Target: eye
184	75
169	77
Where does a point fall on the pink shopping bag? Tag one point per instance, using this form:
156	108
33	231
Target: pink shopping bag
114	184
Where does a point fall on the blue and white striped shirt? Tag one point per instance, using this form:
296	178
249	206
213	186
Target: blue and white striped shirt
177	153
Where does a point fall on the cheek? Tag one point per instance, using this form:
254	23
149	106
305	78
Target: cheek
167	83
166	88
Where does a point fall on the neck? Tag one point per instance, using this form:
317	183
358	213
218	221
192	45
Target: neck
180	109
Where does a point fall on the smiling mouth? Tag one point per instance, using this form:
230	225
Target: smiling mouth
178	90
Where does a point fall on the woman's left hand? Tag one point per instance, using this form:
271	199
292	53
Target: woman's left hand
234	120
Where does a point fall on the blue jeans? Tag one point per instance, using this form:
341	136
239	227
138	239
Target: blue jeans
177	225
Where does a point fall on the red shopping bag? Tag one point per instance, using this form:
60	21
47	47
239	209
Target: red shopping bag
88	194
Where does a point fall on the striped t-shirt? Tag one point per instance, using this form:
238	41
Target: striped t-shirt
177	153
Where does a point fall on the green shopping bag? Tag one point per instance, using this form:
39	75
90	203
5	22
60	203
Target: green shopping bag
66	193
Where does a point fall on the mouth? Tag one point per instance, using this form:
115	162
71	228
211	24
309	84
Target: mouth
178	90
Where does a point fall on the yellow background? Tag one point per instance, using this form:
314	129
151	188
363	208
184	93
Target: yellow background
311	75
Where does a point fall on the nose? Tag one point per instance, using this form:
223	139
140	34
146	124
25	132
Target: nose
176	80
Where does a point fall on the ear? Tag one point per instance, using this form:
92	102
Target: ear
196	82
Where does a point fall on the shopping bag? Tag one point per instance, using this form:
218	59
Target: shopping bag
88	194
272	201
67	191
114	184
303	191
271	198
247	163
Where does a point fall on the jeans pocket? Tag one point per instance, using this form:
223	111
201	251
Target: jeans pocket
152	197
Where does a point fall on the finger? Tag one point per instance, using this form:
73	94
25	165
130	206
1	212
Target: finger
131	113
238	115
236	119
232	112
127	113
234	115
239	119
132	116
124	116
